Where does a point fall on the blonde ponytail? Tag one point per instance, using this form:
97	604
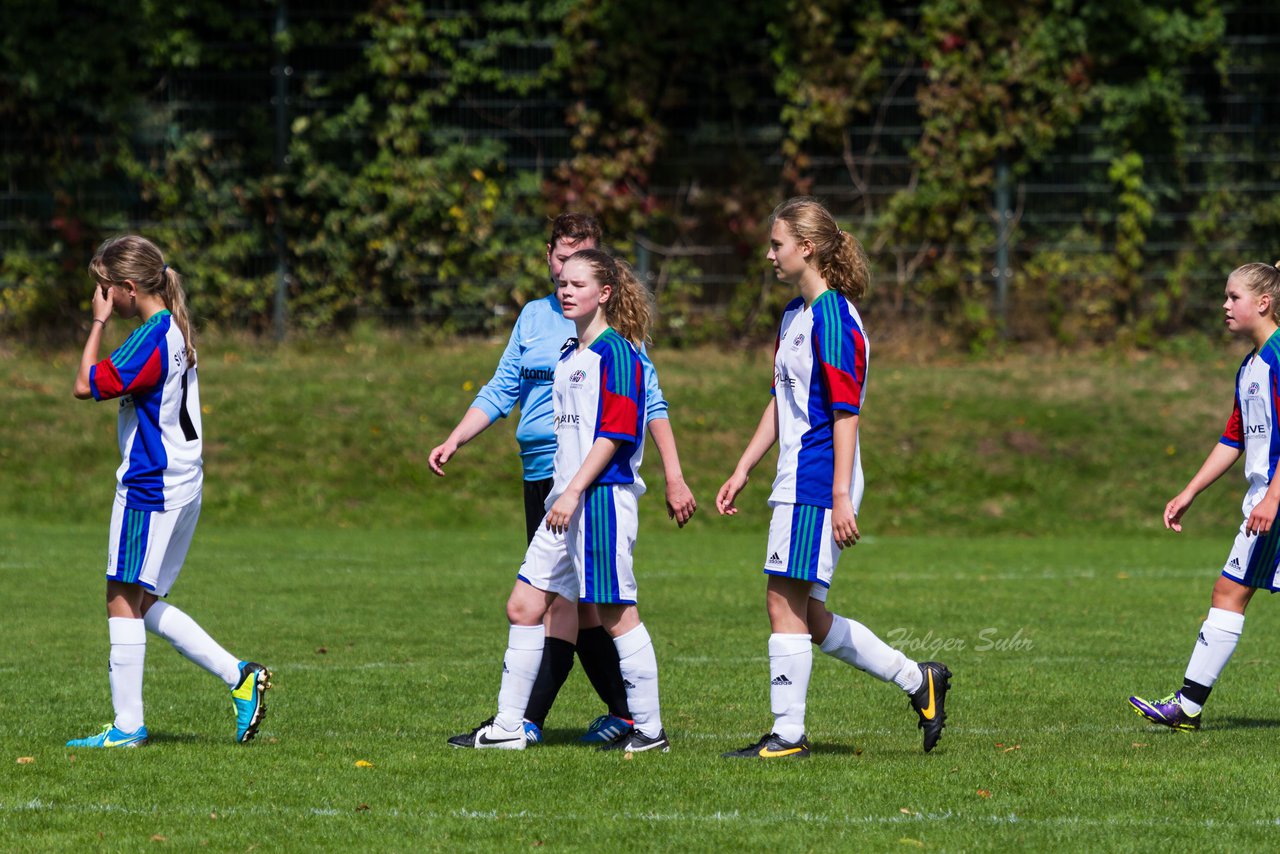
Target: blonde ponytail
842	262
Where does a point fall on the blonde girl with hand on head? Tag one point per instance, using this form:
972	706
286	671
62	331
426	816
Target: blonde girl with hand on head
1251	306
158	484
583	550
819	383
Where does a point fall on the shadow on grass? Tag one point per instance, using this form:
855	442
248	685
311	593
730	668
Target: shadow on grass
174	738
1245	723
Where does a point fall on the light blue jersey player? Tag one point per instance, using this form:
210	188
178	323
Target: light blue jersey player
584	548
819	384
523	379
158	484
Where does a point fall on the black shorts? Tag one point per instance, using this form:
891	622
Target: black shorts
535	499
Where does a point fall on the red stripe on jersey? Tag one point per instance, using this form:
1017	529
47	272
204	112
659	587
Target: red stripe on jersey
107	379
842	386
1233	432
149	376
617	411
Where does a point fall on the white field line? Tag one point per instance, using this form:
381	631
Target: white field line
735	817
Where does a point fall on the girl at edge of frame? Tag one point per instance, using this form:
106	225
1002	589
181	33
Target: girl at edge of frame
820	372
584	548
159	484
1251	305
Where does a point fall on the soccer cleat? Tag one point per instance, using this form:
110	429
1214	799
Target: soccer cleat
772	746
112	737
606	728
928	701
490	735
634	741
532	733
248	699
1166	712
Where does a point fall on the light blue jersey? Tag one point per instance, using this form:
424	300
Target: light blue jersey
524	376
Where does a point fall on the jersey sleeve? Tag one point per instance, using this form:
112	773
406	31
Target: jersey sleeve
841	353
1233	433
139	365
621	393
498	396
655	405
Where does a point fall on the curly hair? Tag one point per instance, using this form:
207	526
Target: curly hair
630	309
842	262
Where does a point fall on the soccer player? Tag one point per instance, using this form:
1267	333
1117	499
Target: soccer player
523	377
158	485
819	383
584	548
1252	300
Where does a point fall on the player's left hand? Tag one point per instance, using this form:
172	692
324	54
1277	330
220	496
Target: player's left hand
844	525
102	304
561	512
1263	516
681	504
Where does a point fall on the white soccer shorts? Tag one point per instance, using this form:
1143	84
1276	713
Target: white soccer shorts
1252	561
802	546
592	562
148	547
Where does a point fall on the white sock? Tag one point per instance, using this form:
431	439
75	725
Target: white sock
175	626
1217	641
519	670
639	666
790	663
128	653
854	643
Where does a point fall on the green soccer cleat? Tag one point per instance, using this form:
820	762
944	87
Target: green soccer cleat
112	737
248	699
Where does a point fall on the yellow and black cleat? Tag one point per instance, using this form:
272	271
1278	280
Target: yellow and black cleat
929	699
771	746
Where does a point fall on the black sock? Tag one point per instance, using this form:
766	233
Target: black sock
557	661
1195	692
599	659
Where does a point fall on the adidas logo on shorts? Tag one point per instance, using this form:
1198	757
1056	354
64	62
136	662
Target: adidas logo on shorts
626	683
774	560
781	680
1235	563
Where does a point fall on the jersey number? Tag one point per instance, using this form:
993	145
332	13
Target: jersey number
184	417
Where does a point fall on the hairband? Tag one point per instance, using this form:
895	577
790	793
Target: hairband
164	269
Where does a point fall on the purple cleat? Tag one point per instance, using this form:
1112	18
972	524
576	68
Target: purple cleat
1166	712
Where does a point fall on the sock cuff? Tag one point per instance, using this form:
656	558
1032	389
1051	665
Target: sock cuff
126	630
632	642
1227	621
558	643
526	637
837	636
783	644
155	615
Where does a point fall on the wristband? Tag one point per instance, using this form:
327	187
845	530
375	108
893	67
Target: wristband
98	320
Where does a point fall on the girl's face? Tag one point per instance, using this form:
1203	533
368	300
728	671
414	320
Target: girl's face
123	301
1245	310
579	293
790	257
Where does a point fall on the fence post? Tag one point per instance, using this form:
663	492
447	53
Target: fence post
281	71
1002	272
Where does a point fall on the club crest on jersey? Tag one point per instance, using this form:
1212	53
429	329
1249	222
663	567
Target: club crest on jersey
795	345
577	376
1253	388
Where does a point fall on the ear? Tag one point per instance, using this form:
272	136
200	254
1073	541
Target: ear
807	248
130	287
605	293
1264	305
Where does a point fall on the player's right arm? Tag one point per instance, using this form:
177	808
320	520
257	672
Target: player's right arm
765	436
495	400
102	309
1220	459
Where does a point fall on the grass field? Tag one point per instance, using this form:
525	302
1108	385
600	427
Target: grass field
1011	532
